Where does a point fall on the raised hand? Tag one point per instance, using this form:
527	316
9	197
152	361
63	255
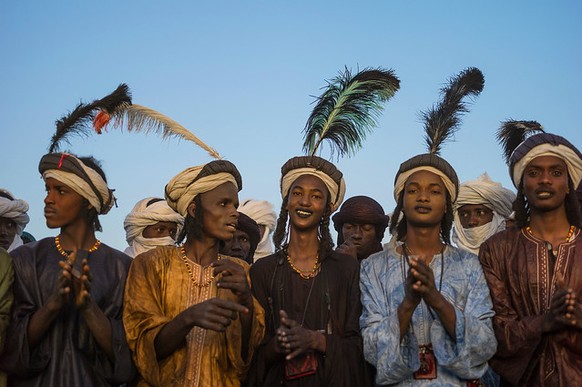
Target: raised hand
81	281
423	281
216	314
232	276
348	248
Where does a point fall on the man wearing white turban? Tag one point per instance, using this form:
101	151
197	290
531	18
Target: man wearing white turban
261	211
151	223
534	270
481	210
66	326
13	220
190	317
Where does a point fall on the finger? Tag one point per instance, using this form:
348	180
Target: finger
295	353
230	305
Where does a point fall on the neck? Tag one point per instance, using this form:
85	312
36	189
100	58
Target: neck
550	225
424	241
203	252
303	245
78	236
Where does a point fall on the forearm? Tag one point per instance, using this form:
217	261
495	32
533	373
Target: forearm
40	322
319	342
172	335
405	311
100	328
447	315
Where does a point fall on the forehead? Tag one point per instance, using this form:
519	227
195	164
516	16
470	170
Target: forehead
425	178
50	181
225	190
547	162
309	182
473	207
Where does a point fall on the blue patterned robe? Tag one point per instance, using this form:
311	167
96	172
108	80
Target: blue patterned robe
458	359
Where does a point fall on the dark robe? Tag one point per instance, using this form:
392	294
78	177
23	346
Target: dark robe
334	307
67	355
522	276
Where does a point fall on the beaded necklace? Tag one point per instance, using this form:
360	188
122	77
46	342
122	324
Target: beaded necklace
310	274
65	254
189	268
568	237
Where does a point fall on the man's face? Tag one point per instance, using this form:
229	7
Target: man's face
362	236
545	183
62	205
160	230
7	232
220	217
474	215
239	246
307	201
425	199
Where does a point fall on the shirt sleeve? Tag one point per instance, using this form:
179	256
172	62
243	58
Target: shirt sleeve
395	360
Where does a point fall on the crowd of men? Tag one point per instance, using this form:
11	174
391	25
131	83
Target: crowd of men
477	284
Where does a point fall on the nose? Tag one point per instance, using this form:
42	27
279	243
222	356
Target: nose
235	244
423	196
473	220
48	198
545	178
357	233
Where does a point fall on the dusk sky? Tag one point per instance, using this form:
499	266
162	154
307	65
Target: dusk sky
242	75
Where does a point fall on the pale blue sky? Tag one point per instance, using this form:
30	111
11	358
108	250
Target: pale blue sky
241	75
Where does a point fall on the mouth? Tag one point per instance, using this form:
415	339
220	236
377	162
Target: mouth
302	213
48	212
422	209
231	226
544	194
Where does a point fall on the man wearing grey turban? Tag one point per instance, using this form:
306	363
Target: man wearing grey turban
13	220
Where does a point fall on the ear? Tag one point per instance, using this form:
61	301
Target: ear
192	209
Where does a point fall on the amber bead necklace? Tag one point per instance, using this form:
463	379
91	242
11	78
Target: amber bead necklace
304	275
190	272
65	254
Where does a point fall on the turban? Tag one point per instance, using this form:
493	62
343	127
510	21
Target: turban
147	212
82	179
545	144
191	182
487	192
14	209
261	211
431	163
493	196
318	167
247	225
360	210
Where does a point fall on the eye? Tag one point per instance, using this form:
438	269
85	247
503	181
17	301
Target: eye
533	173
316	196
557	173
244	239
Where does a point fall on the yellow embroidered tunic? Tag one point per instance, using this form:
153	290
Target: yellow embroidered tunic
158	288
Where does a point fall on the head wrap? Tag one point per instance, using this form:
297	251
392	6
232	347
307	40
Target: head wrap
261	211
191	182
487	192
247	225
14	209
147	212
360	210
427	162
85	181
493	196
545	144
318	167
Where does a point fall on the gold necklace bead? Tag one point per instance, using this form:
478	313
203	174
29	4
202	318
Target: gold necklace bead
65	254
190	272
310	274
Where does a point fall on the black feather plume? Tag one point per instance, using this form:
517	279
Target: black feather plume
78	122
348	109
442	121
511	133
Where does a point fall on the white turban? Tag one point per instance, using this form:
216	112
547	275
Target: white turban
142	216
16	211
262	212
570	157
401	181
493	196
336	191
184	187
76	183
